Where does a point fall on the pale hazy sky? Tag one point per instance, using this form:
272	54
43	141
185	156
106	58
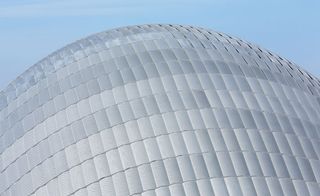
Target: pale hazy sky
32	29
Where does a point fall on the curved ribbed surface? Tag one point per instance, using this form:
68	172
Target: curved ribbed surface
158	110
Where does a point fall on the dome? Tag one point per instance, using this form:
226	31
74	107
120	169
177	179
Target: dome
158	110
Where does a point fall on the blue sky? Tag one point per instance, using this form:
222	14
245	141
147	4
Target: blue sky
32	29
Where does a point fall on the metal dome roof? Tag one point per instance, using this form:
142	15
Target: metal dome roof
180	35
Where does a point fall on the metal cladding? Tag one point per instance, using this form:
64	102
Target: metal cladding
159	110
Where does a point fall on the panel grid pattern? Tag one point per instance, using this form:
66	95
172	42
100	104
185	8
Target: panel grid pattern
158	110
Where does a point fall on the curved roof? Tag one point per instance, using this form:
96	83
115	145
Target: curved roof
187	36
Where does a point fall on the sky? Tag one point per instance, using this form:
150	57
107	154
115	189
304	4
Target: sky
32	29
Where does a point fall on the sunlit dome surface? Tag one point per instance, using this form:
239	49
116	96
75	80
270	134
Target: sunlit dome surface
158	110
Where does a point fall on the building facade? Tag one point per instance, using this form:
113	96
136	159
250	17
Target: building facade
161	110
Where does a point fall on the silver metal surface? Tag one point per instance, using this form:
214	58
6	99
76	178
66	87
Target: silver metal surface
159	110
